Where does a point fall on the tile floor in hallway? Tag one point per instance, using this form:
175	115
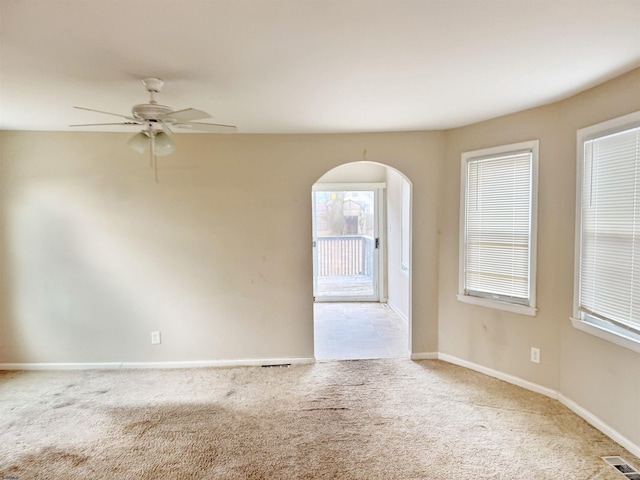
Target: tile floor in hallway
351	330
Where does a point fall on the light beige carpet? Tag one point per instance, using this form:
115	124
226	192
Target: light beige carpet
368	419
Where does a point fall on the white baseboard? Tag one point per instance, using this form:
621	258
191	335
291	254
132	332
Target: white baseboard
424	356
600	425
534	387
247	362
397	310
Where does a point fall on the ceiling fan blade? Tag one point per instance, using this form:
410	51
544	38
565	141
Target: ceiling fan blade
185	115
206	127
131	119
101	124
166	127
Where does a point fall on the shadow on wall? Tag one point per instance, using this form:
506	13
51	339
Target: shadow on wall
80	275
86	277
70	288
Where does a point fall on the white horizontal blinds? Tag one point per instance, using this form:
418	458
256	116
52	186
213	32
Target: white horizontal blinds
498	227
610	222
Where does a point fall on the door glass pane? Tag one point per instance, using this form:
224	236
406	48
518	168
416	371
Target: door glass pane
345	244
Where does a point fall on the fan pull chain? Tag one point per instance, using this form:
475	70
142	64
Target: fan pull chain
154	158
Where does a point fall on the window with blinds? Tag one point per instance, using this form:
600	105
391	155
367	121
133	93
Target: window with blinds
498	225
608	228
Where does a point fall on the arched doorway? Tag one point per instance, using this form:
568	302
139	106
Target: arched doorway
362	262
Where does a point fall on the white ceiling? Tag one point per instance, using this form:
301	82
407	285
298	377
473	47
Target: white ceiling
308	66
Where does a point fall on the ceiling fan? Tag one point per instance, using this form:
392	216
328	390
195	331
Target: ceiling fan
158	122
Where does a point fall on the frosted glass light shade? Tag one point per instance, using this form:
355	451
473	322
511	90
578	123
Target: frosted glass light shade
163	144
139	142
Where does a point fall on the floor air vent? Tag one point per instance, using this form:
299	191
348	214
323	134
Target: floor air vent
627	470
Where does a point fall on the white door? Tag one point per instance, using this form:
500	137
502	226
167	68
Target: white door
346	243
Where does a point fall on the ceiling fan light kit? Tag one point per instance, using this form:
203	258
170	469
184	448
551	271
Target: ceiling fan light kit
162	144
139	142
158	122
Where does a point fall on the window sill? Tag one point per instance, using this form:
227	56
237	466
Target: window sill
620	337
508	307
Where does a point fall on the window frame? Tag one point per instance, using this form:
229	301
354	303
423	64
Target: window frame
581	320
532	146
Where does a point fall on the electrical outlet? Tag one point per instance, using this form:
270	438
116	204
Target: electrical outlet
155	338
535	355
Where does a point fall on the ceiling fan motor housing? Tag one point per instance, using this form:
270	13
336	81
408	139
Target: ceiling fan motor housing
150	111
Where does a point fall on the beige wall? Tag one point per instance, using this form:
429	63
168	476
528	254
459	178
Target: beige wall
357	172
597	375
217	256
